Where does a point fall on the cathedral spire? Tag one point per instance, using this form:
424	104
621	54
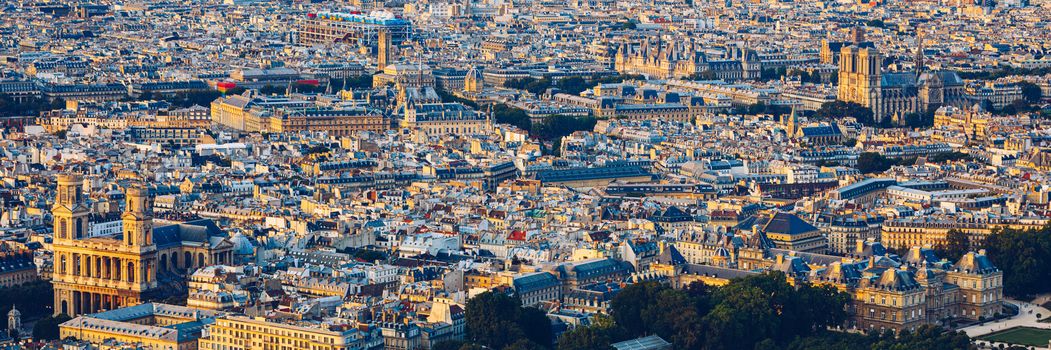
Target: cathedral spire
919	60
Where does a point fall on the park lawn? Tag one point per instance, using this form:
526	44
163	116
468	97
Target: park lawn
1020	335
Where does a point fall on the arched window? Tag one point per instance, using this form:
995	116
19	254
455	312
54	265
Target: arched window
131	272
188	260
63	228
200	259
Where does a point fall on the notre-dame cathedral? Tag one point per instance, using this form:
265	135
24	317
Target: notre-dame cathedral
894	94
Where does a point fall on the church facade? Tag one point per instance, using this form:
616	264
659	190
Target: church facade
93	274
894	94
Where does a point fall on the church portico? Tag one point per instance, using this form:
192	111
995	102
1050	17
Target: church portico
109	272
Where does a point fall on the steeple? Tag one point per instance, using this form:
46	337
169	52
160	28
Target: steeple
69	210
919	60
138	224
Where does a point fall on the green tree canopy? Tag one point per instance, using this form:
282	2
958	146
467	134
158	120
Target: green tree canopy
1025	258
47	328
1031	93
498	321
838	109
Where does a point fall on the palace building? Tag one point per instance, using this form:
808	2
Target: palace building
106	272
888	292
680	60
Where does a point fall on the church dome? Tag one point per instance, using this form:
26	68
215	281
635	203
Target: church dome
242	245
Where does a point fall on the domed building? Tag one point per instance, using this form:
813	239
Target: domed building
243	249
474	82
14	320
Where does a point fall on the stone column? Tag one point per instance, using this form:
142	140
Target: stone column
85	303
74	304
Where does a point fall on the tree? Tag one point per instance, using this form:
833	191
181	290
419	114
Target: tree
629	304
872	162
189	98
356	82
47	328
948	157
535	326
573	85
585	338
1031	93
1024	256
642	309
840	109
272	90
557	126
27	298
524	344
957	244
497	321
510	115
920	120
28	107
742	318
762	108
533	85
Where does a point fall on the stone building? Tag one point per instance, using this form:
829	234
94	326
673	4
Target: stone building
894	94
98	273
662	60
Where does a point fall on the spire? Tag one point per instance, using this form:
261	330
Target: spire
919	63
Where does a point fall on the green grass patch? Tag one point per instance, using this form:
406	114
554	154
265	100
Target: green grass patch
1027	336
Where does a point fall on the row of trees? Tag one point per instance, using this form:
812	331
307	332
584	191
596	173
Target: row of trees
924	338
996	74
205	97
836	110
872	162
755	312
760	309
9	107
33	300
571	85
497	321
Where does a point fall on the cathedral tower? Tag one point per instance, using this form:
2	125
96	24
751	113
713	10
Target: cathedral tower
69	211
138	224
860	77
